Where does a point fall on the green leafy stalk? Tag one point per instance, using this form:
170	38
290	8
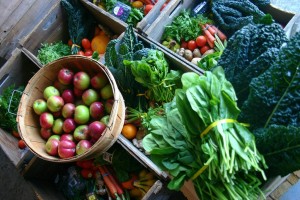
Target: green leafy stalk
9	103
50	52
152	72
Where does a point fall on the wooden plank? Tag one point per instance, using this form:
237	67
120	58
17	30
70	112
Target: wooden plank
9	145
281	190
297	173
7	8
293	179
273	184
21	24
19	11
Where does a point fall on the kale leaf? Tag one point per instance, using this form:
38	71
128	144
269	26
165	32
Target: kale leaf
232	15
80	22
117	51
280	146
272	109
249	52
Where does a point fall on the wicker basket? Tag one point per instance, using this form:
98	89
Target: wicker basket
28	121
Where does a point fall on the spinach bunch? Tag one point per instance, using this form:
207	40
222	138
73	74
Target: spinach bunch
200	131
152	72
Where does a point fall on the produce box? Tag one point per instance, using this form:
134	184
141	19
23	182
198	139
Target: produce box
156	30
147	20
16	71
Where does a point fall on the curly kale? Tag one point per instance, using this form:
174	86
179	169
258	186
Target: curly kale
280	146
232	15
118	50
249	52
272	109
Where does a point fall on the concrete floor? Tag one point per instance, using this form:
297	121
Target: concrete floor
12	185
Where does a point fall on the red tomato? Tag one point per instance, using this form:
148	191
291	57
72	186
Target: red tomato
184	44
204	49
86	173
70	43
85	43
80	53
16	134
147	8
21	144
192	45
201	40
88	52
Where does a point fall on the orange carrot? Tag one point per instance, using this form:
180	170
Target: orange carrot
114	181
209	37
210	29
109	184
221	35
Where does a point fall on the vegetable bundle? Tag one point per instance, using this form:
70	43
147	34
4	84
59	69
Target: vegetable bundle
218	153
232	15
80	22
249	52
272	109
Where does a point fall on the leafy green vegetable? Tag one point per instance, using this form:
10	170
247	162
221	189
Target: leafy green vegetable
228	151
118	50
50	52
232	15
152	72
185	26
123	163
9	103
249	52
210	61
273	102
280	146
135	16
81	23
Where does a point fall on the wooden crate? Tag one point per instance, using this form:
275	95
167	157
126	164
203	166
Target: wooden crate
145	22
17	19
17	70
57	30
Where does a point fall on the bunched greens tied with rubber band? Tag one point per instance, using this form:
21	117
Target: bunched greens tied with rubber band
199	139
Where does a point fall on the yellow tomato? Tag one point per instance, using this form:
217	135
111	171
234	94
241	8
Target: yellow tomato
99	43
137	4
